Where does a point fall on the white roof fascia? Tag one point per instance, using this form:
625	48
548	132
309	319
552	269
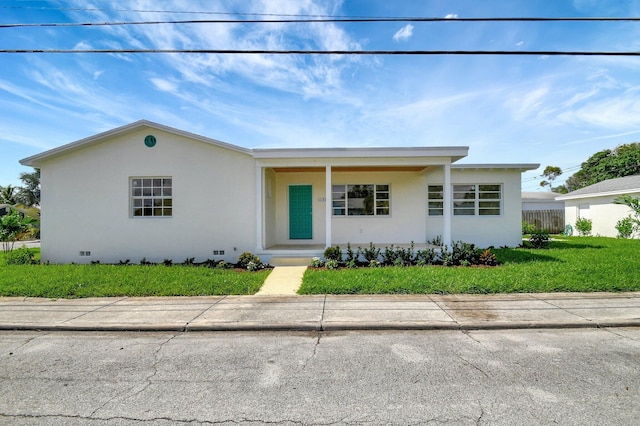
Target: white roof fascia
452	153
599	194
518	166
31	161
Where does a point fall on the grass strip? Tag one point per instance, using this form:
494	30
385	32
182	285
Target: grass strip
75	281
577	264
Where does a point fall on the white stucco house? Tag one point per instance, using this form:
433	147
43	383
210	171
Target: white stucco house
595	202
148	190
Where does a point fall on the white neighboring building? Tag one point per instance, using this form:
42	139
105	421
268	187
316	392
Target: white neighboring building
541	200
152	191
595	202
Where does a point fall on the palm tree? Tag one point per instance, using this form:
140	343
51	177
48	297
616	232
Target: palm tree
8	195
29	194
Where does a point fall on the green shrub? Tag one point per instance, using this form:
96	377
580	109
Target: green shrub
316	262
332	264
528	228
625	227
539	239
333	253
255	266
462	252
584	226
437	241
247	257
352	263
352	257
389	255
370	254
21	256
426	257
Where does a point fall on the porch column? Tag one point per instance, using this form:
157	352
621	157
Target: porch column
259	207
327	206
447	206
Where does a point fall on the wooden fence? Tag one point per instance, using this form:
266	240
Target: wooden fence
551	221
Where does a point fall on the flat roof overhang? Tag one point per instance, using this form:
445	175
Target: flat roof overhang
447	154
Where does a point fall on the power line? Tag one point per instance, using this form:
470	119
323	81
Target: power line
321	19
79	9
333	52
321	16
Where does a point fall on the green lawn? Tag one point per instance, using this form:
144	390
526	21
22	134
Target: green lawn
576	264
72	281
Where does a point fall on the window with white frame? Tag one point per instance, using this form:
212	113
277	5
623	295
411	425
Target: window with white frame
361	200
151	197
468	200
435	200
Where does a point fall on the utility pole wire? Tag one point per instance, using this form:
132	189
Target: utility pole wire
321	20
332	52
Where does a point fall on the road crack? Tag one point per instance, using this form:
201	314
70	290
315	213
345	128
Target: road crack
131	392
315	350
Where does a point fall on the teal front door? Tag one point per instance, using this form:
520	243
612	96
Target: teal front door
300	214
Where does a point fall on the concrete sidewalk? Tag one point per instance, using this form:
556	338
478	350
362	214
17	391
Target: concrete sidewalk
330	312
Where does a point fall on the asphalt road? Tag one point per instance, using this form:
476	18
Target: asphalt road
520	377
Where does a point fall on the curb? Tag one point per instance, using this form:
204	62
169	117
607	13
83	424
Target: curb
338	326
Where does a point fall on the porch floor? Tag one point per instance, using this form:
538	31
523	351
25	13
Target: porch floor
309	247
354	246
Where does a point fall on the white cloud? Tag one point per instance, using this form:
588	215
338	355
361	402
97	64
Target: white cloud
527	104
309	77
164	85
615	112
404	33
520	43
451	16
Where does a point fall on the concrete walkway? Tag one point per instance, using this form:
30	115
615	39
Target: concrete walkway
283	280
324	312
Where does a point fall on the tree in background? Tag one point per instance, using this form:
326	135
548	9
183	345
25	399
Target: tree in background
607	164
29	194
12	227
634	205
8	195
551	173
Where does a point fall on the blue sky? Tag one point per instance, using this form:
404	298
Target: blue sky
508	109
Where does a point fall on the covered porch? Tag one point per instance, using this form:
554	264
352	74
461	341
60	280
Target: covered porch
311	199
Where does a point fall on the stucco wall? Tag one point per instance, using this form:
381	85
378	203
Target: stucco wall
603	214
406	221
86	201
270	197
484	231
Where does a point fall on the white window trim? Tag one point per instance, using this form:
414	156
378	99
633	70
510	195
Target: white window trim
133	197
476	200
375	200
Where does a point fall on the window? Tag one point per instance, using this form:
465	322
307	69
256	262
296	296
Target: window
151	197
483	200
435	203
468	200
361	200
464	200
489	197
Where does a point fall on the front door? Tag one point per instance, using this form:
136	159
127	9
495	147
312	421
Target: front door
300	213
